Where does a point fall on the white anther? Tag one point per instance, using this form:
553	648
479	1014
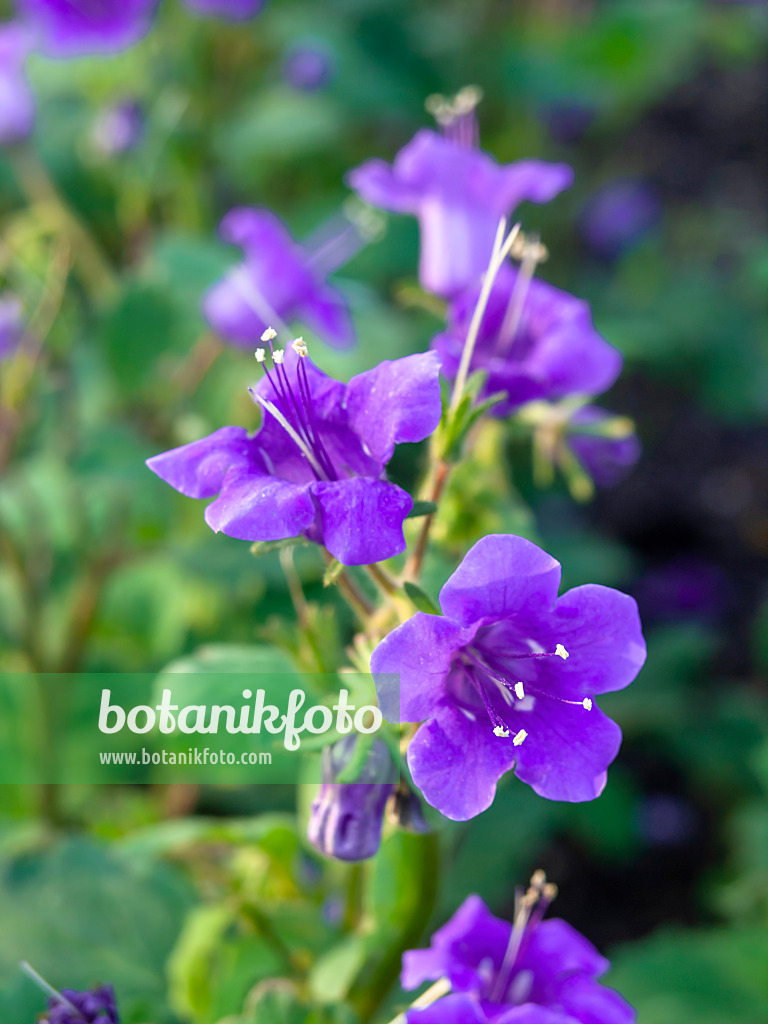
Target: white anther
269	334
261	355
561	652
587	703
519	691
519	737
278	355
501	731
300	347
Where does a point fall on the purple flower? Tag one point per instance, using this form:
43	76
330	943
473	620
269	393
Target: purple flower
346	818
459	194
532	972
309	67
316	466
235	10
606	456
11	325
567	120
97	1006
505	679
17	104
119	128
535	342
279	280
617	216
74	28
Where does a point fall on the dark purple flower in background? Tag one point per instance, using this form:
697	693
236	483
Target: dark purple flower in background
316	465
309	66
346	818
119	128
459	193
505	679
532	972
74	28
605	445
686	588
11	325
97	1006
618	216
17	104
535	342
279	280
567	121
234	10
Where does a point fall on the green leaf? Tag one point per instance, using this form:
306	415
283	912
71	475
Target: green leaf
421	599
266	547
422	508
332	572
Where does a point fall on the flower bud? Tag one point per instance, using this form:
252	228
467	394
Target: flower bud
346	818
96	1006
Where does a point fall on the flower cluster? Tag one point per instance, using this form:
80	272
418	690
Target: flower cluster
96	1006
529	972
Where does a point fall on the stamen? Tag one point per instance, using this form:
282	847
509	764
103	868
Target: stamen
260	354
519	737
277	356
529	910
499	730
531	252
587	703
519	691
269	334
300	442
300	347
561	652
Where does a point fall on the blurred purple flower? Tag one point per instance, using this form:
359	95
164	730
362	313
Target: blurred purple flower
235	10
535	342
119	128
459	193
606	457
73	28
309	66
11	325
278	280
346	818
567	120
683	589
665	820
96	1006
532	972
617	216
17	104
316	465
505	679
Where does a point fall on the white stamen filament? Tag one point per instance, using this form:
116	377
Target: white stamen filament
292	433
519	737
49	989
514	314
519	691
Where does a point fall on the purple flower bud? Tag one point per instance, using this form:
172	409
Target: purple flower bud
11	325
119	128
74	28
309	67
17	104
567	120
617	216
608	455
97	1006
346	818
235	10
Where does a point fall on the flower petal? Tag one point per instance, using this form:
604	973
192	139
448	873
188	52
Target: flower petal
501	576
259	507
536	181
456	761
451	1009
530	1013
592	1003
197	470
567	750
326	313
554	949
397	401
600	628
411	663
361	520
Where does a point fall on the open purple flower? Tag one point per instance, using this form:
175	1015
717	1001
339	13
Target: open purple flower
96	1006
316	466
534	342
234	10
17	104
506	679
346	818
74	28
458	192
531	972
279	280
